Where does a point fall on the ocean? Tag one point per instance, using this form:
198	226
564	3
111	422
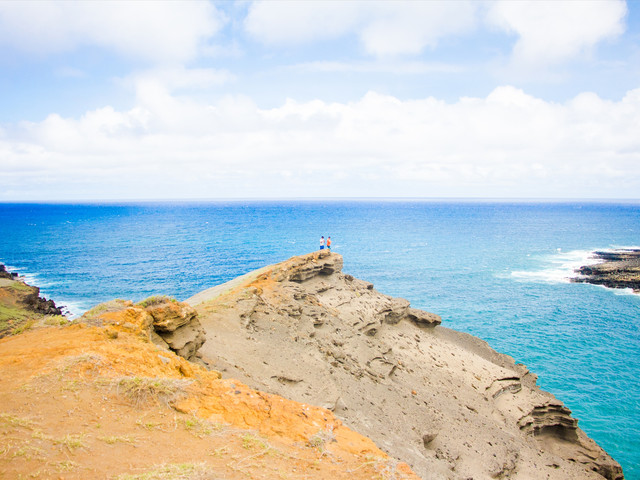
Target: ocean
497	270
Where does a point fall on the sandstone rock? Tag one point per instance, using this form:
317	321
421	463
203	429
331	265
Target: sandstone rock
394	311
323	263
172	326
186	340
422	318
552	419
168	315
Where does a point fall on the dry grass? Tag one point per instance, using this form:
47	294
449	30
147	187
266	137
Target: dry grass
113	439
143	390
71	442
202	428
156	300
321	439
56	320
17	422
172	471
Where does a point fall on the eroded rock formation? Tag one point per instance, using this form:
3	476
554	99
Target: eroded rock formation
440	400
169	324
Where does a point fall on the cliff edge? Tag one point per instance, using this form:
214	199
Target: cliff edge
440	400
101	397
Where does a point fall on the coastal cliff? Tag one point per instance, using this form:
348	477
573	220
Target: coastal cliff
21	304
271	375
106	396
440	400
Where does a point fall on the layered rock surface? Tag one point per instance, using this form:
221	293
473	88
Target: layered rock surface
440	400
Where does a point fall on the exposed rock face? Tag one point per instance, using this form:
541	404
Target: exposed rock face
38	304
4	273
169	324
440	400
620	269
27	296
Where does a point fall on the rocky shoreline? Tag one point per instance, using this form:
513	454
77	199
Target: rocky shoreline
618	269
21	303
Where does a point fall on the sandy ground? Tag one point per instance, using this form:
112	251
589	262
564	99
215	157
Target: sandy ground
79	402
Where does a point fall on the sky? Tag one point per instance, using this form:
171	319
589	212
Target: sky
295	99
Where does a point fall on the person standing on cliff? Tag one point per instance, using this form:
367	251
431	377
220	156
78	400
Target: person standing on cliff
322	243
329	243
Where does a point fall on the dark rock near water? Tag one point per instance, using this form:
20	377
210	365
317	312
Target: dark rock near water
619	269
28	296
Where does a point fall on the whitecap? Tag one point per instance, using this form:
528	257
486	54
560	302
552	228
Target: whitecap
559	267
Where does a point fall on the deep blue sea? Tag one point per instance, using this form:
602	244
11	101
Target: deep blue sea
497	270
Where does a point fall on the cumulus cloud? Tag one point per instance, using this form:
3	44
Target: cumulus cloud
550	32
547	32
508	143
153	31
383	28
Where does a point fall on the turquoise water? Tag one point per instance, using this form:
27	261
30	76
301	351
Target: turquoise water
495	270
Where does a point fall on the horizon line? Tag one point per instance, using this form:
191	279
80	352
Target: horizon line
323	199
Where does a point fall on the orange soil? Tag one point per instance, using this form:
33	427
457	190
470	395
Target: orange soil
68	411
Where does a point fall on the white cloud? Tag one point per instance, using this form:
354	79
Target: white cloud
550	32
506	144
384	28
153	31
395	67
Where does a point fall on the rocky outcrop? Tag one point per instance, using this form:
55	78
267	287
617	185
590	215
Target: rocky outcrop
619	269
34	302
440	400
172	325
5	274
27	296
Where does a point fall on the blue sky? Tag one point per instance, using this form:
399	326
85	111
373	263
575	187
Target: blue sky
193	100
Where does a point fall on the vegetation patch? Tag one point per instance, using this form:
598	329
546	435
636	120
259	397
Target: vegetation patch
56	321
201	428
142	390
91	317
14	320
321	439
71	442
251	441
86	361
113	439
66	466
16	422
19	286
29	452
172	471
156	300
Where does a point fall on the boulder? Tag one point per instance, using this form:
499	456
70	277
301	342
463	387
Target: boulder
422	318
